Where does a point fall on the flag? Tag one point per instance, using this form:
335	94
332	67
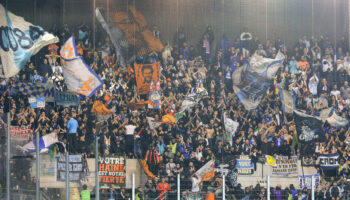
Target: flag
169	119
251	81
152	123
287	101
191	100
149	174
337	121
78	76
270	160
137	105
207	172
309	128
45	143
101	111
324	114
230	125
19	41
154	96
117	38
36	90
36	102
133	25
146	74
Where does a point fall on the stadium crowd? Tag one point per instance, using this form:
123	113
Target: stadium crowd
315	71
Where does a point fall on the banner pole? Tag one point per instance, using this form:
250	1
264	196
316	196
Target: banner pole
133	186
178	187
67	174
37	187
268	188
223	187
312	187
8	156
97	184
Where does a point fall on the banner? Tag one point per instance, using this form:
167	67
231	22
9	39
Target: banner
117	38
76	166
305	181
66	99
328	161
337	121
78	76
285	166
19	41
154	96
111	170
251	81
20	132
244	165
309	128
287	101
133	25
207	172
36	90
36	102
146	74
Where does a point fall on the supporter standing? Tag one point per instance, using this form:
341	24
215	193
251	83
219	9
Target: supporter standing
72	135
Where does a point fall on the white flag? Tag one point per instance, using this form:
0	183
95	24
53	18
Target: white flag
78	76
19	41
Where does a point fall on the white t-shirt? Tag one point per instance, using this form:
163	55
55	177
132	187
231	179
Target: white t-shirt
130	129
195	184
335	93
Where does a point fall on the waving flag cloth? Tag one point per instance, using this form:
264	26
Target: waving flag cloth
153	123
78	76
309	128
133	25
287	101
188	103
101	111
251	81
337	121
19	41
230	125
117	38
45	143
207	172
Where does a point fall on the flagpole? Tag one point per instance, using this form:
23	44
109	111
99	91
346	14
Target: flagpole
97	184
67	173
8	156
37	187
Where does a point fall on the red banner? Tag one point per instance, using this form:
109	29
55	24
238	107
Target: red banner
20	132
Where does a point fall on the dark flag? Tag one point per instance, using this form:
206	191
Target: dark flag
309	128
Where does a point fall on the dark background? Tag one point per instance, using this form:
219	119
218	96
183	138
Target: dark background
285	19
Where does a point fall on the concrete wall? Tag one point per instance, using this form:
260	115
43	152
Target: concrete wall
49	180
262	171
